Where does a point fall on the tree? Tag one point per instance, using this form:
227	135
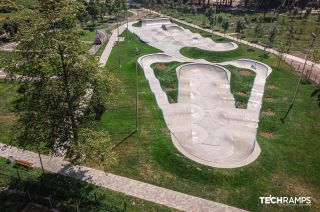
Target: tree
10	26
307	13
225	24
272	34
247	19
240	25
219	19
94	146
61	78
258	30
291	35
8	6
93	11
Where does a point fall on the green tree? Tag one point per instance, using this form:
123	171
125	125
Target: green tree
292	31
62	79
225	24
93	11
272	34
10	26
258	30
240	26
247	19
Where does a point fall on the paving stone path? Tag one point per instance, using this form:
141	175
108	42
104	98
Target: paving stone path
117	183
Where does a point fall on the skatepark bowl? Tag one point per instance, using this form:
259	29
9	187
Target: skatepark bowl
205	124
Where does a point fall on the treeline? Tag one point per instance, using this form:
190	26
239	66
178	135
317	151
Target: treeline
92	11
252	4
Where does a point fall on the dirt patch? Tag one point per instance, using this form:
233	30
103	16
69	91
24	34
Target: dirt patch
268	112
269	99
168	88
241	105
241	94
161	66
245	73
267	134
272	86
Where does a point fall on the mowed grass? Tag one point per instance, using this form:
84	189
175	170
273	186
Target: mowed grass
137	24
167	76
7	57
239	53
287	165
241	83
65	193
8	94
88	36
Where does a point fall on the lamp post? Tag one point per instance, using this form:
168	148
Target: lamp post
314	36
137	88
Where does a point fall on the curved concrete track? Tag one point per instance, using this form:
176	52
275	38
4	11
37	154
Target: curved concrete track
170	38
205	125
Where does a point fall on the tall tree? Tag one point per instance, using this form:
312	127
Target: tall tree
225	24
272	34
61	79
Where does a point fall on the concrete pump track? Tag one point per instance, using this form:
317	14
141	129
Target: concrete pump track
205	124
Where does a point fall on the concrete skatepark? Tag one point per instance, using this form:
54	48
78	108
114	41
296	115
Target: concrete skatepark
205	124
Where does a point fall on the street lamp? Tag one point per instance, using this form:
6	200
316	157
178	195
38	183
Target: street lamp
137	87
314	36
137	102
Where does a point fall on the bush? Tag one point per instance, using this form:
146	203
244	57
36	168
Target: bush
8	6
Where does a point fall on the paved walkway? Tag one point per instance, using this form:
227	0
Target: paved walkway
312	69
8	47
114	38
117	183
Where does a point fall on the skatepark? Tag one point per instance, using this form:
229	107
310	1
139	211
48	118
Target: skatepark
205	124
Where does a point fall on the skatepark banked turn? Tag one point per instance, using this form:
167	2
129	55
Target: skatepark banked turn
205	124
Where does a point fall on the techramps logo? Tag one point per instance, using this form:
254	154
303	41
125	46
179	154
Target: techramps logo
294	201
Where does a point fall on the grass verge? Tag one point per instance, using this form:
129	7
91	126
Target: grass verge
241	84
166	74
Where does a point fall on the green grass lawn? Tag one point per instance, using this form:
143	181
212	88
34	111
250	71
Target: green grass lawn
88	35
137	24
7	57
241	84
65	192
166	73
239	53
8	94
101	49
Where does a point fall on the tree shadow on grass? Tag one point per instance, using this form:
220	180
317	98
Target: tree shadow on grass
64	193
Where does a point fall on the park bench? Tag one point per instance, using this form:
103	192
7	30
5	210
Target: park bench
24	164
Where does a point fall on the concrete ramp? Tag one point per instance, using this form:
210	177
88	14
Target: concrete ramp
154	22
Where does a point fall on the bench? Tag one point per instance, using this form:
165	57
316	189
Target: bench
24	164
